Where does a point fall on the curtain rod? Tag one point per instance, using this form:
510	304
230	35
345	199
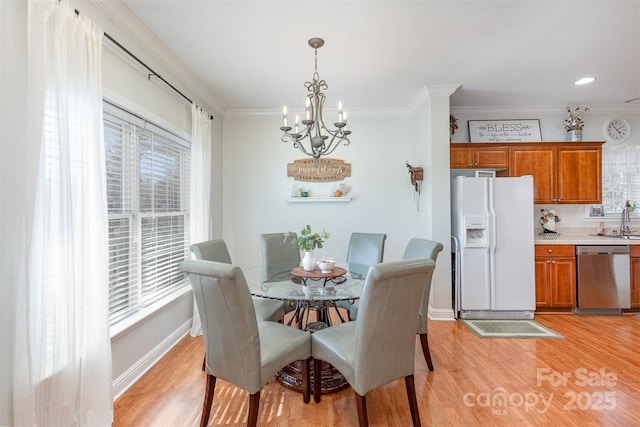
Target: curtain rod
151	72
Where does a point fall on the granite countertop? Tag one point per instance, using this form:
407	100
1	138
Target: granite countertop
582	236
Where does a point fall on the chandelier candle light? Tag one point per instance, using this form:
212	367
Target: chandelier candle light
322	140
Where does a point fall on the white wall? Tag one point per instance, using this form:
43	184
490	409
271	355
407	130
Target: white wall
256	186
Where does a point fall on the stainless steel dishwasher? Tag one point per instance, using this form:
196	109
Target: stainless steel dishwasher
603	279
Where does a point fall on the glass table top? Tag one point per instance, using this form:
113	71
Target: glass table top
277	282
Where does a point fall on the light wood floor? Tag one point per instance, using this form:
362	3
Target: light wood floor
599	359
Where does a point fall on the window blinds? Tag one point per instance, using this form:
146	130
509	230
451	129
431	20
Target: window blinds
620	178
148	200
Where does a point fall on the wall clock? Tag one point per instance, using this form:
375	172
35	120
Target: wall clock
616	130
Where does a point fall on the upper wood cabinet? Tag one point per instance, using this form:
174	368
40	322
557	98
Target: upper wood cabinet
464	156
539	162
562	172
579	177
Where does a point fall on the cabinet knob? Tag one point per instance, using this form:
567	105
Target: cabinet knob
549	250
548	261
553	262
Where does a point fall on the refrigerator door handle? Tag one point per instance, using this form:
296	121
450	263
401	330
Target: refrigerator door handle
493	236
455	248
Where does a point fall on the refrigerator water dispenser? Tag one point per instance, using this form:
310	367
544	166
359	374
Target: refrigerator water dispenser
476	231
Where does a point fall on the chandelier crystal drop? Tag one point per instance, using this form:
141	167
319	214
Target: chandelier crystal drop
322	141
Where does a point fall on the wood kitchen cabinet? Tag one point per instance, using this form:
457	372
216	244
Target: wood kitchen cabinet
464	156
568	173
635	275
555	267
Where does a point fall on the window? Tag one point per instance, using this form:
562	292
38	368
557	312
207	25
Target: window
148	203
620	178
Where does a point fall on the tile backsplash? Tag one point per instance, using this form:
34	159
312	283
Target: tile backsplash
574	219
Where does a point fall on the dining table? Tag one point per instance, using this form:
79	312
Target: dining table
305	292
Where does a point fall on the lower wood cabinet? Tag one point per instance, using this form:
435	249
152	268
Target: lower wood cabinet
555	267
635	275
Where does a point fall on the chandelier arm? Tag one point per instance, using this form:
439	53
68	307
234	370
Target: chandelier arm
296	143
329	149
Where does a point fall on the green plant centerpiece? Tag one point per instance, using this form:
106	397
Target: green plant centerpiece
307	241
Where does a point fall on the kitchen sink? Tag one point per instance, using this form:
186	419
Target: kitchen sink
617	236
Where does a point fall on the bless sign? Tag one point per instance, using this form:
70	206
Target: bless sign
504	131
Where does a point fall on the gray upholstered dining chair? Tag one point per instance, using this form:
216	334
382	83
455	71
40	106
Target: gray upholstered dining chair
364	250
423	248
279	257
216	250
239	348
379	347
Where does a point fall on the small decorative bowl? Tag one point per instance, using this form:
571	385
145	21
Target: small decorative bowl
326	265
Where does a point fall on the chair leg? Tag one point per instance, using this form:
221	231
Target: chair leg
317	374
210	388
413	402
306	383
254	406
361	404
425	350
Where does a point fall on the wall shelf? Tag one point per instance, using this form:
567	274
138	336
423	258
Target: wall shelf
343	199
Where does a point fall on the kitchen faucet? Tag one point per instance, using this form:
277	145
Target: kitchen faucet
625	232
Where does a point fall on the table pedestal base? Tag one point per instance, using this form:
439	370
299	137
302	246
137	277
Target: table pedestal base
331	379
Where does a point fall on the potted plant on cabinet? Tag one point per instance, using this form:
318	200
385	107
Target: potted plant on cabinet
307	241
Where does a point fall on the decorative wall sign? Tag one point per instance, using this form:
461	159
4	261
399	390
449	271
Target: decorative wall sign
326	170
505	131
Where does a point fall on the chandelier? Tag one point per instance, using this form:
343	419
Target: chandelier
321	140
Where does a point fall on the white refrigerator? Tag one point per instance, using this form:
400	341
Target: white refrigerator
493	233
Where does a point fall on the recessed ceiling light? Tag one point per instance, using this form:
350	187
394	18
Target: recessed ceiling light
584	81
632	101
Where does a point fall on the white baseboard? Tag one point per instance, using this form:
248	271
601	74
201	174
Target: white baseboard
441	314
138	369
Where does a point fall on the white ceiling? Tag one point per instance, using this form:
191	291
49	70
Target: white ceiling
253	55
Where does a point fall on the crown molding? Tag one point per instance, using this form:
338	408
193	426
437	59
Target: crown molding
353	112
426	94
181	77
547	109
429	92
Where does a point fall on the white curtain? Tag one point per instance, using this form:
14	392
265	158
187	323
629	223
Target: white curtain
63	351
200	188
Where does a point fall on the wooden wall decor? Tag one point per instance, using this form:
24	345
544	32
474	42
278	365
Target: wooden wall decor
416	175
326	170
